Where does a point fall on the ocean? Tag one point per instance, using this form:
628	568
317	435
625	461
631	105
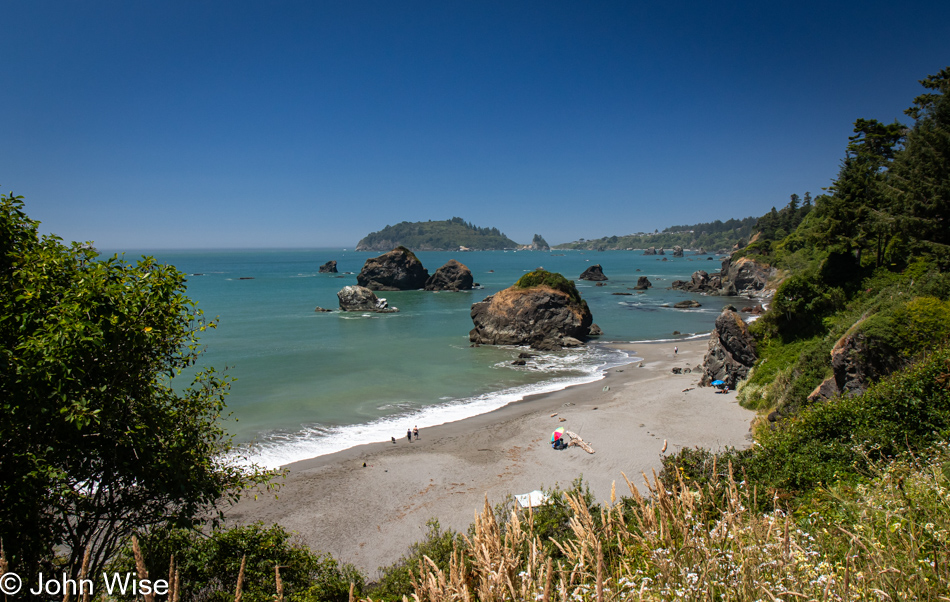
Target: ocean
309	384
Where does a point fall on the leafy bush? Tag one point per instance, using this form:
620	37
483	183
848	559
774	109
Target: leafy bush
209	565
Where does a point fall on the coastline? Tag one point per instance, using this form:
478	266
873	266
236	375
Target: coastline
369	516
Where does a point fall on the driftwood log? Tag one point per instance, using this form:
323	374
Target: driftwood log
576	440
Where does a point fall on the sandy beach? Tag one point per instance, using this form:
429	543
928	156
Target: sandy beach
369	516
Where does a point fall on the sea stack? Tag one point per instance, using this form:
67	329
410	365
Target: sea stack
398	270
360	298
594	273
543	310
453	276
329	267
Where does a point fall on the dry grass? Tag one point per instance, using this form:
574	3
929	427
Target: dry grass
674	545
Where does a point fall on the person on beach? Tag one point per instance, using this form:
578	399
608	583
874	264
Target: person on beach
415	432
409	435
676	350
394	441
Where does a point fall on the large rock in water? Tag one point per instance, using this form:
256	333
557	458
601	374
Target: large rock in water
677	251
643	283
398	270
328	268
731	351
543	310
360	298
453	276
594	273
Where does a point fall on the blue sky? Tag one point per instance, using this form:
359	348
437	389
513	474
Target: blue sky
305	123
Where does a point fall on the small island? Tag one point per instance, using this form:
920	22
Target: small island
447	235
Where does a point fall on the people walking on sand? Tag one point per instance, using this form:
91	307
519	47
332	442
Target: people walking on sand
415	432
675	350
409	435
394	441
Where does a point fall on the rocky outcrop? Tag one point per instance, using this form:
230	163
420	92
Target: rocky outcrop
360	298
643	283
826	390
856	362
677	251
731	351
549	315
595	331
701	282
650	251
594	273
453	276
744	277
328	268
398	270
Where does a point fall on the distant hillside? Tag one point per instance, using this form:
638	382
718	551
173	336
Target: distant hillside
445	235
711	236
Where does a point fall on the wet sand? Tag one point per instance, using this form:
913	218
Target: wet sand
369	516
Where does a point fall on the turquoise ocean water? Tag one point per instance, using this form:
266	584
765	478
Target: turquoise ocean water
312	383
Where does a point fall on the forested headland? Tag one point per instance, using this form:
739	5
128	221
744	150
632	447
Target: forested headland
711	236
444	235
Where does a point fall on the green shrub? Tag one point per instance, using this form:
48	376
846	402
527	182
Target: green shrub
209	565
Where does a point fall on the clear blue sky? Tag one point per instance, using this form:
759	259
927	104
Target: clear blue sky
147	124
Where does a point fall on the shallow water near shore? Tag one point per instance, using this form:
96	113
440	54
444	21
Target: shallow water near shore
310	383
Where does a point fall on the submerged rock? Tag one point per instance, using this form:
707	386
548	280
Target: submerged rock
453	276
398	270
360	298
543	310
689	303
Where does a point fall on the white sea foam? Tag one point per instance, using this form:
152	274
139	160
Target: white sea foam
688	337
278	449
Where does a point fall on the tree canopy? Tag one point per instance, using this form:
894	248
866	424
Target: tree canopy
98	439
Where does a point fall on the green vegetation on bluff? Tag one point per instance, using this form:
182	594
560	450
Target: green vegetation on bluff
446	235
712	236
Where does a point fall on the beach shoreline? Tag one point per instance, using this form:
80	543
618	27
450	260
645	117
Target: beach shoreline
369	515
